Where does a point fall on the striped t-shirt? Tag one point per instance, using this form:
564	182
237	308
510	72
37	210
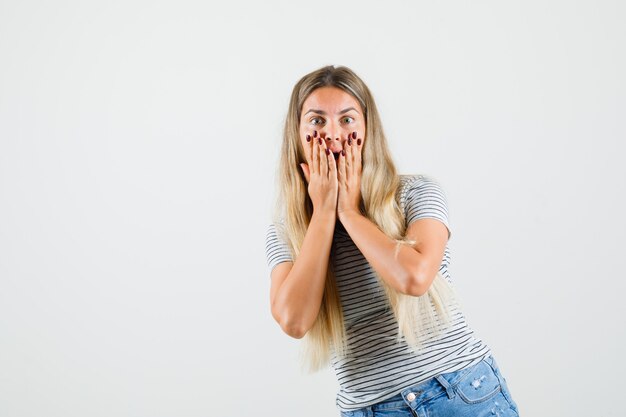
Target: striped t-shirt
378	367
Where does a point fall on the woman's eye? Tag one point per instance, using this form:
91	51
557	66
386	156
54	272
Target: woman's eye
316	120
347	119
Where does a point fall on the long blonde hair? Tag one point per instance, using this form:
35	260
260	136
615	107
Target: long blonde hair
379	184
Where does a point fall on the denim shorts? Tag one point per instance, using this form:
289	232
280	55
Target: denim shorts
477	391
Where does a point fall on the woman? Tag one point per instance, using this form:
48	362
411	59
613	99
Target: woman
359	265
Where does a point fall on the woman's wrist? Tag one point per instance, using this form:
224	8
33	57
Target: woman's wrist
324	215
345	215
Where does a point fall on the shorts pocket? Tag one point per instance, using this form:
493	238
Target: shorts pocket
478	385
505	389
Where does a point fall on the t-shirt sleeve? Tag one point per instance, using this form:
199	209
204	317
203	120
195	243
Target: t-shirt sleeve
425	198
276	249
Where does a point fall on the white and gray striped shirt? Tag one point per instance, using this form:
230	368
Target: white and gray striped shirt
379	368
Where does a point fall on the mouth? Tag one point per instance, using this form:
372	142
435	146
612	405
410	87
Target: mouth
336	155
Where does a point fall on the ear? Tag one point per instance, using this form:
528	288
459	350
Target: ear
305	169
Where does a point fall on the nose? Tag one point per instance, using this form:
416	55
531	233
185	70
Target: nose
334	142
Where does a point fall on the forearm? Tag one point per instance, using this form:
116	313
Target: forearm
398	267
300	296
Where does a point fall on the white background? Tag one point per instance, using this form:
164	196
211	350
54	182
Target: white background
138	145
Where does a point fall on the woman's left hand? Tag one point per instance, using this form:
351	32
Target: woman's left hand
349	176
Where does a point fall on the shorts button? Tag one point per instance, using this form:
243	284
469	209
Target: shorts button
411	396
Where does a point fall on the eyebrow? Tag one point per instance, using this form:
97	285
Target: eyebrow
323	112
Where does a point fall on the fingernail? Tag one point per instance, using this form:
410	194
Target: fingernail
353	135
358	142
327	151
343	153
320	139
350	141
308	138
315	133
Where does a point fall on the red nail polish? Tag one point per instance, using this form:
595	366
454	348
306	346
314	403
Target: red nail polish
308	138
343	153
315	133
353	135
350	141
327	151
320	139
358	142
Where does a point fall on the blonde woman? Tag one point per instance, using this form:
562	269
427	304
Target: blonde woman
359	265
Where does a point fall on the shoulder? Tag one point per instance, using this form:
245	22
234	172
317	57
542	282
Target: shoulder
275	229
422	196
418	183
277	249
277	232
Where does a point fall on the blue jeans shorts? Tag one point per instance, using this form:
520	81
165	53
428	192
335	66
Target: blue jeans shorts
477	391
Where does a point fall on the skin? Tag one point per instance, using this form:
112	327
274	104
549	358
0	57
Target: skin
329	118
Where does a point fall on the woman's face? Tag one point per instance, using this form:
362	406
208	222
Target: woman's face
334	114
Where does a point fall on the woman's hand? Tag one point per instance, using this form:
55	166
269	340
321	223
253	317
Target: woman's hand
320	172
349	176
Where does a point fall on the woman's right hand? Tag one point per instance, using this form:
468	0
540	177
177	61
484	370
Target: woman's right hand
320	172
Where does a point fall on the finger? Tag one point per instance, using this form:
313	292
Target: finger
341	175
311	139
332	164
323	158
307	149
358	153
349	157
354	156
315	168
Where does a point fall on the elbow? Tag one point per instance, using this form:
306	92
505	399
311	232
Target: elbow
419	278
289	326
294	330
416	285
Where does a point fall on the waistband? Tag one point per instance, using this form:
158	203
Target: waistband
418	394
